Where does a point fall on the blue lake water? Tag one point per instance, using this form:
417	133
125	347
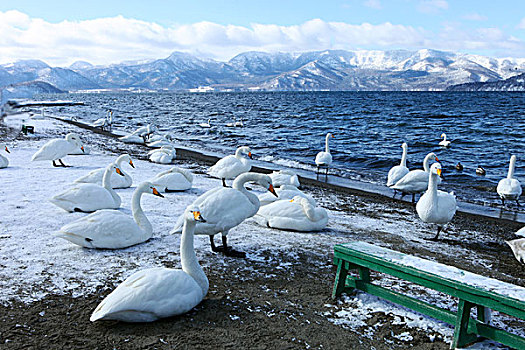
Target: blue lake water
289	128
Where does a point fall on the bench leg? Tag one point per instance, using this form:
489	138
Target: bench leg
340	279
461	335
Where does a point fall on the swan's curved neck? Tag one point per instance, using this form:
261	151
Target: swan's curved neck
326	148
512	166
238	184
426	161
189	261
138	214
238	154
445	137
432	186
106	183
404	157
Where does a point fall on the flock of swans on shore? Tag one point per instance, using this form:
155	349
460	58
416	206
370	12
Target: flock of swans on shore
154	293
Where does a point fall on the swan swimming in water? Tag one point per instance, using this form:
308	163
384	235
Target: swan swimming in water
297	214
205	125
174	179
397	172
90	197
4	162
232	166
96	176
434	206
444	142
509	187
324	159
226	208
56	149
112	229
416	181
159	292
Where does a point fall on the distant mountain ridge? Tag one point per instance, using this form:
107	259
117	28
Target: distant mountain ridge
515	83
394	70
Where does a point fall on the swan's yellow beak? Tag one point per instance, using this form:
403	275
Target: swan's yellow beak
437	160
250	155
333	136
82	148
439	173
155	192
7	149
198	217
291	200
272	190
131	163
119	171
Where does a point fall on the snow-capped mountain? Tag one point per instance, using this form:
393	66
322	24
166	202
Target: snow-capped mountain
515	83
316	70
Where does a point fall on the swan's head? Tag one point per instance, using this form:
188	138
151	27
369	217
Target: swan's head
266	182
147	187
443	135
513	158
404	145
329	135
436	169
71	137
245	150
193	213
433	155
114	167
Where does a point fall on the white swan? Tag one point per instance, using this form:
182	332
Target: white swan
85	150
434	206
226	208
415	181
397	172
57	149
444	142
90	197
518	248
104	123
145	131
284	192
159	143
159	292
324	159
174	179
112	229
232	124
205	125
509	188
95	176
239	124
163	155
131	138
231	166
4	162
284	177
297	214
521	232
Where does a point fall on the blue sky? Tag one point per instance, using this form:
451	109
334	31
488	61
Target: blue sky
60	32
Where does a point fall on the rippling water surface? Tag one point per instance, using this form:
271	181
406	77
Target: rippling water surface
289	128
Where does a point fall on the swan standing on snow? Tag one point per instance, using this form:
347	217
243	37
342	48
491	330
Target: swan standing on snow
297	214
510	188
57	149
90	197
284	192
434	206
231	166
4	162
205	125
284	177
104	123
415	181
226	208
112	229
160	292
444	142
163	155
324	159
95	176
174	179
397	172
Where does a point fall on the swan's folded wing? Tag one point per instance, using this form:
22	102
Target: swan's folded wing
94	176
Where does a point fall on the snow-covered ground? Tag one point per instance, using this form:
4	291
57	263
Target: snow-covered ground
34	263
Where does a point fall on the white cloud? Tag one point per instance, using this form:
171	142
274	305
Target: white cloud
375	4
521	25
432	6
474	17
115	39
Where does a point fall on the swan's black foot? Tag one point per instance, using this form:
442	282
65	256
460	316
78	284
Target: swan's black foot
224	183
229	251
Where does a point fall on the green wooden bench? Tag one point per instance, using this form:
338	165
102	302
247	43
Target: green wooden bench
472	290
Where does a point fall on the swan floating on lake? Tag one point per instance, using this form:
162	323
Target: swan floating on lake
397	172
509	188
163	155
56	149
297	214
415	181
4	162
205	125
284	177
284	192
231	166
434	206
226	208
324	159
90	197
444	142
112	229
96	176
159	292
174	179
